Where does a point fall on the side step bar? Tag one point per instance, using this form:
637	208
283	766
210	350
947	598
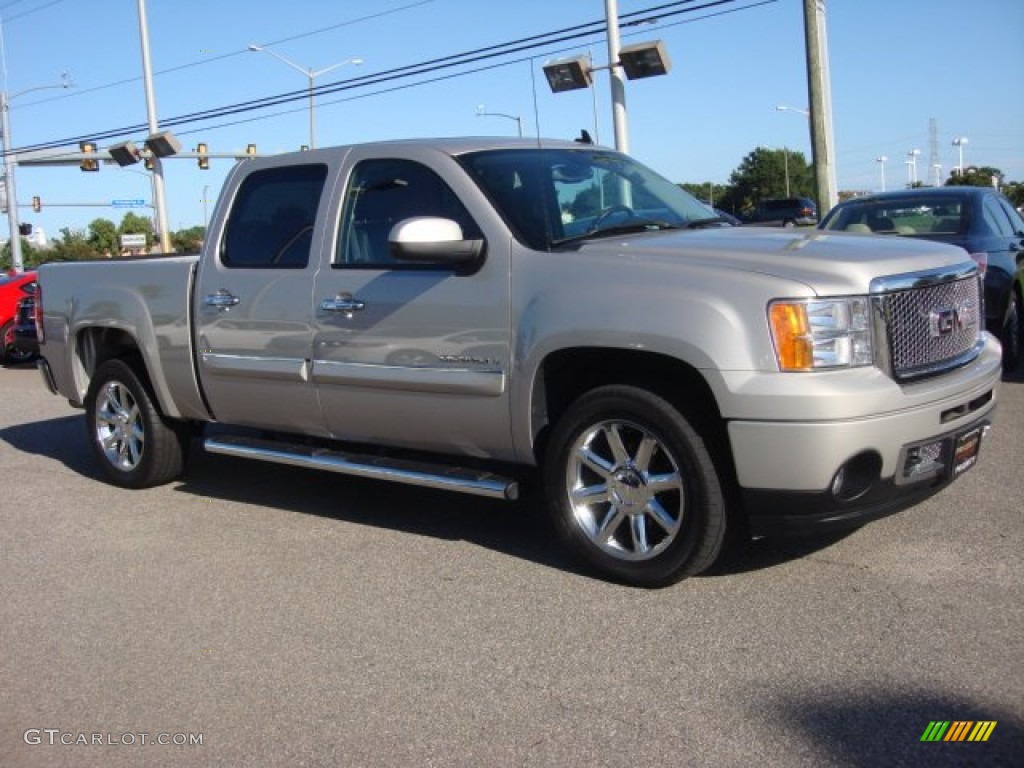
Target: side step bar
439	476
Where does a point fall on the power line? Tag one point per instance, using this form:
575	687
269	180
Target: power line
213	59
23	14
520	45
451	76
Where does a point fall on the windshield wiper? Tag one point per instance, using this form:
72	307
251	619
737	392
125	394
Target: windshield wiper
636	225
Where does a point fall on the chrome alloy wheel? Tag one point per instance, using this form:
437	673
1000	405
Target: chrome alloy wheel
120	430
625	490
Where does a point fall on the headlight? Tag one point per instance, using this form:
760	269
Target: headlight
815	334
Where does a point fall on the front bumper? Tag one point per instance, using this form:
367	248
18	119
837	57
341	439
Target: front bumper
774	512
869	449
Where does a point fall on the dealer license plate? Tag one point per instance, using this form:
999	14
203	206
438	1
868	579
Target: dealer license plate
965	451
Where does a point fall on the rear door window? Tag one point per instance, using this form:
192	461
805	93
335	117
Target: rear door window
271	221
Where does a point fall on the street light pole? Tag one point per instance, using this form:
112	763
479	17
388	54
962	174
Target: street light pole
619	121
881	160
785	150
912	165
312	75
959	143
17	260
12	196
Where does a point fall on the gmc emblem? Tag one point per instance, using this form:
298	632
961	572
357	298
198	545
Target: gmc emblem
943	322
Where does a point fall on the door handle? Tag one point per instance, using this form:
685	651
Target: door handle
343	302
222	299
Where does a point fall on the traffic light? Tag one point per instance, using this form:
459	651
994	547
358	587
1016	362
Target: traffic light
250	150
24	230
88	148
37	204
148	162
203	160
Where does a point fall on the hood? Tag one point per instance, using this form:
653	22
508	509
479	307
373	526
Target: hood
829	263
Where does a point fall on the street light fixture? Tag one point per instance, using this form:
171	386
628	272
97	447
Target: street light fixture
637	61
17	262
310	73
785	108
959	143
481	111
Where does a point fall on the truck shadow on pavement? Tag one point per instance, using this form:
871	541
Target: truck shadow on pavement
62	440
519	529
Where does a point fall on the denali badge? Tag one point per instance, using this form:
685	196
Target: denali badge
943	322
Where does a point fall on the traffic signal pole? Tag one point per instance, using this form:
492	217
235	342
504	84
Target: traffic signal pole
158	174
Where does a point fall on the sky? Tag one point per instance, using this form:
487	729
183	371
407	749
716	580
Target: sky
896	68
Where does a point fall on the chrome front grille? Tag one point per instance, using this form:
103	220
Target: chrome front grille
928	323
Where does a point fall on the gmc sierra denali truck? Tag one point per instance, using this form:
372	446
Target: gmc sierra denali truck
465	314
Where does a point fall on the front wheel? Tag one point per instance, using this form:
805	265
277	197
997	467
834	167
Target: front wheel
136	448
632	488
8	352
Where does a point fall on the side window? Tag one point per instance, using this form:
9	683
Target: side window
996	218
1016	222
382	193
271	221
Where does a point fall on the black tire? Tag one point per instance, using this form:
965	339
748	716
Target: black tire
1011	336
632	489
135	446
7	353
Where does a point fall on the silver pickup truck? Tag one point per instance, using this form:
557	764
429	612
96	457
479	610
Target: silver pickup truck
470	314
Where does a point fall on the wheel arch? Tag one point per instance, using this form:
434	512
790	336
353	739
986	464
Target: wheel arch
566	374
95	345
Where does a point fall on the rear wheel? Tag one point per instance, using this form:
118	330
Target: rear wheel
135	446
632	488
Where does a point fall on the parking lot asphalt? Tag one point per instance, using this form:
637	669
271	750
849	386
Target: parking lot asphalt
283	617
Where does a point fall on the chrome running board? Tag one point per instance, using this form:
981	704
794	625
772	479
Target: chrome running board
427	475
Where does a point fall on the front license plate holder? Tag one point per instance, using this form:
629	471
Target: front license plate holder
965	450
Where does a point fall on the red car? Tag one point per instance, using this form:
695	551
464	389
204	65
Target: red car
13	288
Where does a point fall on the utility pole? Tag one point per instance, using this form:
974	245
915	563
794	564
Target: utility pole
820	100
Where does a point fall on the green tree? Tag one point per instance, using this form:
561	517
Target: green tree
188	240
975	177
133	224
30	257
762	175
708	191
103	237
73	245
1015	191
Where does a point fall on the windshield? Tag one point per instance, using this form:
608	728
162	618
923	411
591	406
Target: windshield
551	197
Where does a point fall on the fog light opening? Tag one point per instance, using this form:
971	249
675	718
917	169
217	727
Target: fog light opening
856	476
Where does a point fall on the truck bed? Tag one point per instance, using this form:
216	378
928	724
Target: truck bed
147	298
